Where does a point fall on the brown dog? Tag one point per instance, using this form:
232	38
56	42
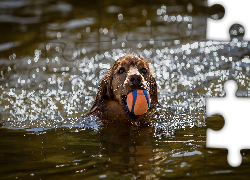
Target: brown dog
128	73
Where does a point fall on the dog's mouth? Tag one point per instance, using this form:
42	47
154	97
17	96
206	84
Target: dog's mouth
127	111
125	106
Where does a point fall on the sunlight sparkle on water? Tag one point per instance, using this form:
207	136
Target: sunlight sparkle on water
181	74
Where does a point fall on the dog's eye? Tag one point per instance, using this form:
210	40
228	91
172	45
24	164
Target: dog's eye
121	70
144	70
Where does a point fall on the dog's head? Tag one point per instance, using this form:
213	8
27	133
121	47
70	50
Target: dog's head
128	73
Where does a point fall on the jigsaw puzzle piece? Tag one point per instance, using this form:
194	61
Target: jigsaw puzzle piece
159	18
218	30
121	41
225	137
181	71
93	69
93	25
24	75
217	162
59	81
95	31
54	68
227	60
182	20
183	29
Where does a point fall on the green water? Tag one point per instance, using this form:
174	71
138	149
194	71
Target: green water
50	75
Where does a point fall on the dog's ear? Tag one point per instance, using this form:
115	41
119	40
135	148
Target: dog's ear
105	91
153	93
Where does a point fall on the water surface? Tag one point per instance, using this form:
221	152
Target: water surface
53	57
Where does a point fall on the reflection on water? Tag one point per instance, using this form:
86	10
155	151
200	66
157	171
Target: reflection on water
52	62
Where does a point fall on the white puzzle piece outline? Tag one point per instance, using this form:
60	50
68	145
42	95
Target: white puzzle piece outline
235	12
236	128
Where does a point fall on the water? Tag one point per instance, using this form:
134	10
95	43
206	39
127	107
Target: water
47	88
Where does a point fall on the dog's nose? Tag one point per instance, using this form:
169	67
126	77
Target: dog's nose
135	79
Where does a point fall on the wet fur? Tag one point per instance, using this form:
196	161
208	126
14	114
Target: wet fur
114	86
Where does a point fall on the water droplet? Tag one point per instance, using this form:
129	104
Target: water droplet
120	17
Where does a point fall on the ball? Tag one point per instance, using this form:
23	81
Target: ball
138	101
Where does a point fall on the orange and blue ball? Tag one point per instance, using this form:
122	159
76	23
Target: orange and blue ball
138	101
